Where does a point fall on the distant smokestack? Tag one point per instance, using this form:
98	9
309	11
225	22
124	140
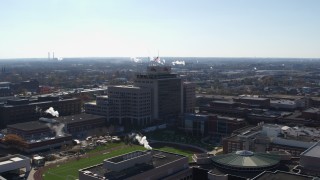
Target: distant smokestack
49	55
52	55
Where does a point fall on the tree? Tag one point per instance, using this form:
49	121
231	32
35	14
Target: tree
14	140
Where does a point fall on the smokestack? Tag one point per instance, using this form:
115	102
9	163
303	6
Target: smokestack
48	55
52	55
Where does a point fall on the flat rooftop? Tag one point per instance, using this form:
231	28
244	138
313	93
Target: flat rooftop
127	87
281	175
78	118
313	151
123	157
283	101
312	110
223	102
159	158
256	98
230	118
28	126
11	159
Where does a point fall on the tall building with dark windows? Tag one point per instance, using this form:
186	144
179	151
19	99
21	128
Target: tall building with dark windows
189	97
166	92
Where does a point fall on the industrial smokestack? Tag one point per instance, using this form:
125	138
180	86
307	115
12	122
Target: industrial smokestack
48	55
52	55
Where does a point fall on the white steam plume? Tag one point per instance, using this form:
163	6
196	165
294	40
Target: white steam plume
52	112
178	62
157	60
143	141
136	60
58	128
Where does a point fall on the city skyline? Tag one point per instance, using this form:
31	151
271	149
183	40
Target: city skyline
31	29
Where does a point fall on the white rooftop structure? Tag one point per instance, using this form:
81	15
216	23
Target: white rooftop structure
13	162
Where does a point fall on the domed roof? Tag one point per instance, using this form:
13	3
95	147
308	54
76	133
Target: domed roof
246	160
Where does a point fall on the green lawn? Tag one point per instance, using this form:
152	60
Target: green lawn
105	147
70	169
178	151
179	137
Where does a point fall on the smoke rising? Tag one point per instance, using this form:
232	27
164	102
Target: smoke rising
143	141
157	60
58	128
136	137
52	112
136	60
178	63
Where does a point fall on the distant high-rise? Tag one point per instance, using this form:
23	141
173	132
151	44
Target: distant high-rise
166	92
189	97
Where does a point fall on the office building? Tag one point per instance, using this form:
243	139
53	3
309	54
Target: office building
129	105
75	125
100	107
166	92
24	110
272	137
124	105
189	97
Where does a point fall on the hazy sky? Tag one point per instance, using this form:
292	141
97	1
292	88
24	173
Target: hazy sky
206	28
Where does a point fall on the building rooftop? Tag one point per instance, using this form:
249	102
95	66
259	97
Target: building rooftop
312	110
34	125
78	118
11	159
246	159
127	87
223	102
313	151
249	97
31	102
230	118
283	101
28	126
159	158
267	175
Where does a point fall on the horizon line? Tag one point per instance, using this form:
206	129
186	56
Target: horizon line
108	57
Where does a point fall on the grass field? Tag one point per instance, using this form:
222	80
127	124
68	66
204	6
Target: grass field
70	169
178	151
